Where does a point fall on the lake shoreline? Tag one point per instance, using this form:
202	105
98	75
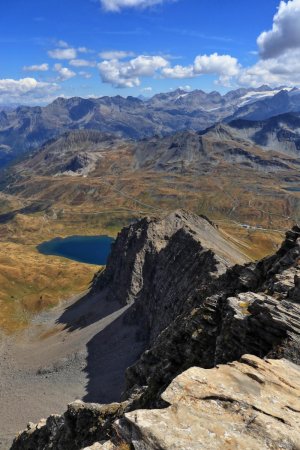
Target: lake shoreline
85	249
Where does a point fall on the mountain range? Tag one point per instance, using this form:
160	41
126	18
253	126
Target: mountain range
271	145
25	128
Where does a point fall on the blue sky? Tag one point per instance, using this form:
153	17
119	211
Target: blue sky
134	47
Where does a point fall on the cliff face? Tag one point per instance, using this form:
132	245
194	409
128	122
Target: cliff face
194	308
249	309
158	264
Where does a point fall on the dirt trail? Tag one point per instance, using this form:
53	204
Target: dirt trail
78	350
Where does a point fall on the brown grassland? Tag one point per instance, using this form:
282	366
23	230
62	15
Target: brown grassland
251	209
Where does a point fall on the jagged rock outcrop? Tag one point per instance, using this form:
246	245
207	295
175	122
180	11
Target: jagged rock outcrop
249	309
82	425
194	308
159	263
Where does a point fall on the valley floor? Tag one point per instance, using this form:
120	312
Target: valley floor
78	350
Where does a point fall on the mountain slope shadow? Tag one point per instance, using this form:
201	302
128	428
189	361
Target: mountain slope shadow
110	352
89	309
111	344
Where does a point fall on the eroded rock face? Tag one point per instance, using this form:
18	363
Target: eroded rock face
251	404
158	264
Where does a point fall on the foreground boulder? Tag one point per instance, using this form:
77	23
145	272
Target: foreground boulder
251	404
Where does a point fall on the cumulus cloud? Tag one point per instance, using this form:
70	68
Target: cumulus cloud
85	75
123	74
285	32
179	71
63	53
118	5
225	66
219	64
82	63
284	70
36	68
64	72
26	91
187	87
127	74
278	56
62	44
279	51
84	50
115	54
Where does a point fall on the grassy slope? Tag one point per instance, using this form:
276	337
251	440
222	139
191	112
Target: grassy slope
112	197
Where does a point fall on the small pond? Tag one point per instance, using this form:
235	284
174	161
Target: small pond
85	249
293	189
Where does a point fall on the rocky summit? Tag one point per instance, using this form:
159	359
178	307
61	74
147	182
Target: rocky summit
221	340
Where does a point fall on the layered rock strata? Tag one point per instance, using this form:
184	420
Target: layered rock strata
251	404
158	264
253	308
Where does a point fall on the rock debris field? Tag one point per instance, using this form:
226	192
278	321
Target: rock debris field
57	359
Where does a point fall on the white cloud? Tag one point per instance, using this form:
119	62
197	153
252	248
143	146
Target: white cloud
64	72
219	64
82	63
84	50
26	91
127	74
147	89
63	53
179	72
118	5
285	33
278	64
225	66
62	44
284	70
279	51
36	68
115	54
187	87
84	74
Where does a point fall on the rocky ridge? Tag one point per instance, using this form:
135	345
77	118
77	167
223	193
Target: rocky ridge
214	312
158	263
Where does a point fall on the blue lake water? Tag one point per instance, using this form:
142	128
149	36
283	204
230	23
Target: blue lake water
86	249
293	189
